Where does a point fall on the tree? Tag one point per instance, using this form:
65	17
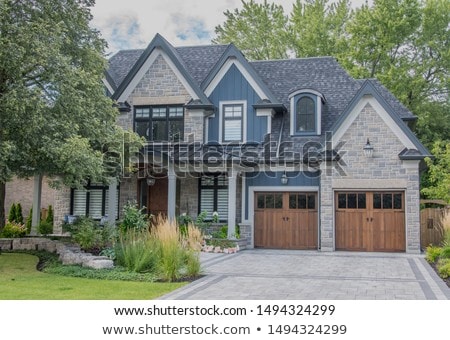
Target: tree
317	28
55	119
258	30
438	176
404	44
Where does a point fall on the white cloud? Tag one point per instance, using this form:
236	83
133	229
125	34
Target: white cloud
129	24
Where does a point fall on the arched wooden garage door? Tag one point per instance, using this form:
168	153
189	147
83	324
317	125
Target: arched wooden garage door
286	220
370	221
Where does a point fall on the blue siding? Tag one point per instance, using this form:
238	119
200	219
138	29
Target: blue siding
234	86
296	180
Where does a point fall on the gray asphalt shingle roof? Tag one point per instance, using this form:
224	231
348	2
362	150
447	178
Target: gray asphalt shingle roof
282	77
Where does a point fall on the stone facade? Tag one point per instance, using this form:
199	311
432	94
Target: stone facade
383	171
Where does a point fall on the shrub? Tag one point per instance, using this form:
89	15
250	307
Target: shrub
193	266
45	228
19	215
13	230
12	213
432	253
136	251
90	235
49	218
223	233
29	221
133	218
443	267
445	252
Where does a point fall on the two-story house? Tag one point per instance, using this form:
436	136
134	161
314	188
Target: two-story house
296	152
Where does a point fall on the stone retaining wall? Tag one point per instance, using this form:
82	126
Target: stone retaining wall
68	254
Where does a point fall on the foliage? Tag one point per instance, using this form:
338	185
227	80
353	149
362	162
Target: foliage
166	251
49	218
444	267
438	178
29	220
317	28
13	230
54	115
220	242
90	235
432	253
133	218
259	30
45	228
136	251
223	232
12	213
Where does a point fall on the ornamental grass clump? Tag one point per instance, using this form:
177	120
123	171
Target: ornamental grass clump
178	250
136	251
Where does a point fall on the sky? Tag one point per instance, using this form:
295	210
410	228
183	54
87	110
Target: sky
130	24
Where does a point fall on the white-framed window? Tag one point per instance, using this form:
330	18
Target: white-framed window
232	121
306	112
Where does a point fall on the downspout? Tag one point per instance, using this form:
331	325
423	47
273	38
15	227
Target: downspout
280	137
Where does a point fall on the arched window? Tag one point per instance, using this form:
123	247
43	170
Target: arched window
305	115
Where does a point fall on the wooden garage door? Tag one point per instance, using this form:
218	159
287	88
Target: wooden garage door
286	220
370	221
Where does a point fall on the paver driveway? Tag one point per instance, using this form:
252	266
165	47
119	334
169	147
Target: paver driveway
309	275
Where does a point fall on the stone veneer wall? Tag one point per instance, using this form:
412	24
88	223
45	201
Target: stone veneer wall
384	169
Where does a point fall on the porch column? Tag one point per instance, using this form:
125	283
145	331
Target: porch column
172	193
36	217
112	199
232	180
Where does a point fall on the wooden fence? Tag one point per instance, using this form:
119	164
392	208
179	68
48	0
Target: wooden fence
433	222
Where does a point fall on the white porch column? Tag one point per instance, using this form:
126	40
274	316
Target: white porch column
112	199
36	217
172	193
232	181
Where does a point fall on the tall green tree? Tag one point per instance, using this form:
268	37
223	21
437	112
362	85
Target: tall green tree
317	27
438	176
406	45
258	30
55	119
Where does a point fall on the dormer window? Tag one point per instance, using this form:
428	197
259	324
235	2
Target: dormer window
306	112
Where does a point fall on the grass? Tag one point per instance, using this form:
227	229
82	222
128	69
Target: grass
20	280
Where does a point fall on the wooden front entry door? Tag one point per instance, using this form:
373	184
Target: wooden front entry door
370	221
157	197
285	220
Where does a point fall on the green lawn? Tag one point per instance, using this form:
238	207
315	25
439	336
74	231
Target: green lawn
19	280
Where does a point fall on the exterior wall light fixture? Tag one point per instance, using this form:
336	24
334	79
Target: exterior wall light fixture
368	149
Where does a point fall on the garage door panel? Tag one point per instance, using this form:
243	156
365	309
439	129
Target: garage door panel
370	221
291	225
350	235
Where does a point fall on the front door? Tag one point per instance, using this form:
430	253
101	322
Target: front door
157	197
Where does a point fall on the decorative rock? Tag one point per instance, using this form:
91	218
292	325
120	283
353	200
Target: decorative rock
99	263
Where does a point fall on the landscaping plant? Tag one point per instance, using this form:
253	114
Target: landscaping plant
133	218
45	228
13	230
136	251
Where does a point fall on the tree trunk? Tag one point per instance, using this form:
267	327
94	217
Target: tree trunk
2	204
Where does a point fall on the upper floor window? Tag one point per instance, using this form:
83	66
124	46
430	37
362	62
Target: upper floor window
305	120
306	112
160	123
232	122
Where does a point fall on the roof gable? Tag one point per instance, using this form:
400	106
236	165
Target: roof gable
367	90
232	56
158	46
